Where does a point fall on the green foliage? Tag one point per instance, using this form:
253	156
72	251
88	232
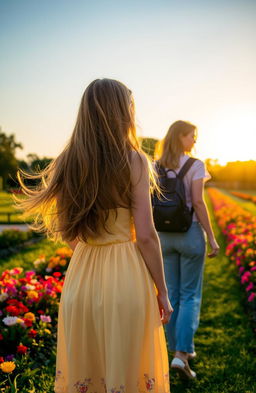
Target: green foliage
8	161
148	145
27	256
14	237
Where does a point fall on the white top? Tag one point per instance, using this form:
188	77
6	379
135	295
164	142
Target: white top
196	171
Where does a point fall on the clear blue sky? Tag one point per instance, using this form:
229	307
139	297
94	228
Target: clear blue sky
191	60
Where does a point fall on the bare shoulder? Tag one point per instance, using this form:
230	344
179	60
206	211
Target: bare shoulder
138	159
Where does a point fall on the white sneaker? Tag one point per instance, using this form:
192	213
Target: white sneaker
182	367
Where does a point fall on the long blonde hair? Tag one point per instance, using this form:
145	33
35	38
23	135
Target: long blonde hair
170	149
92	174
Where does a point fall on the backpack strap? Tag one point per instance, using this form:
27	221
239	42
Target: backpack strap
186	167
160	169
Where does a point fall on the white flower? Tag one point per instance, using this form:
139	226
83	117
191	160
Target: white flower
39	261
10	321
29	287
3	296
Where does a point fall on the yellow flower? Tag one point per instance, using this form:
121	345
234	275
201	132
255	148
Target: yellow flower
30	316
7	367
19	320
32	294
64	252
63	262
47	331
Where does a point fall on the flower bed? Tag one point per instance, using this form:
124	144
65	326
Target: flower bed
28	316
13	240
243	195
239	228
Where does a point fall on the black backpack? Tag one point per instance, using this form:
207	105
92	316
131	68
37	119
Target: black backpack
170	212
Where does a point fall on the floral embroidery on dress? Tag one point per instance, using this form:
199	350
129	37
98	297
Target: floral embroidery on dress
82	387
167	382
103	382
59	382
150	382
121	389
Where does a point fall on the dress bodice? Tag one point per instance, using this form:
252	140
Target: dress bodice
119	227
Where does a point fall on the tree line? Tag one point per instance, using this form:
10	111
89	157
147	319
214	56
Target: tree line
238	174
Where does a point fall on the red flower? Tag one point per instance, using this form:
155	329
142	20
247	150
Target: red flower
27	322
22	349
15	307
13	310
22	307
32	333
42	312
1	337
1	359
12	301
57	274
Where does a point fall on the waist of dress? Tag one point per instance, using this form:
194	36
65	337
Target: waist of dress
110	243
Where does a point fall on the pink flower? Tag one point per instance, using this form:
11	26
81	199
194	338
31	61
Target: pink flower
253	269
251	297
249	287
245	277
241	269
45	318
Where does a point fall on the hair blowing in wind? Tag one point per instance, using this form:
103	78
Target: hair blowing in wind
92	174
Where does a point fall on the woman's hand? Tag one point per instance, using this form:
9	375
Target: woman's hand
165	307
214	248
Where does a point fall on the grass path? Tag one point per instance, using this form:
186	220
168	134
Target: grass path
225	343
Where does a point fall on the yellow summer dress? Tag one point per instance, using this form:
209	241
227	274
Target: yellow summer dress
110	335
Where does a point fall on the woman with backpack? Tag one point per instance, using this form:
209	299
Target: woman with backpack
93	196
184	243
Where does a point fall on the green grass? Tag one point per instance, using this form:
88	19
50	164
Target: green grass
26	257
7	206
247	205
225	342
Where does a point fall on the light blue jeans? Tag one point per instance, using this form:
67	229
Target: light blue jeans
184	255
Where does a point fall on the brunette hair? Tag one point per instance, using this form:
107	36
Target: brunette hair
171	147
92	174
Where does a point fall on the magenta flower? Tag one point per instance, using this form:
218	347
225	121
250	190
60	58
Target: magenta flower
241	269
249	287
251	297
245	277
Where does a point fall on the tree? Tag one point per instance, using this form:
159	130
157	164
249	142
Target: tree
8	161
37	164
148	146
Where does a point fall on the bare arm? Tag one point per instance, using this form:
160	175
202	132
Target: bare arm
201	210
146	235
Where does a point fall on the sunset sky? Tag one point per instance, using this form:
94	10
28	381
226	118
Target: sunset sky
190	60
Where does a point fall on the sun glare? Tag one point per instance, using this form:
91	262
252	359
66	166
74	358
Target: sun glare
231	136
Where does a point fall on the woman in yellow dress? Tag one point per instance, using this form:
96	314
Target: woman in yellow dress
96	196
